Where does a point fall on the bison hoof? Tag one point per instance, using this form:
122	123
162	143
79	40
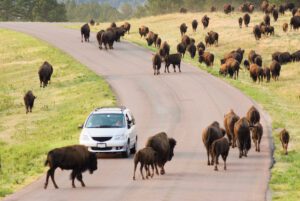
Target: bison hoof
56	187
208	163
162	172
45	186
216	169
133	178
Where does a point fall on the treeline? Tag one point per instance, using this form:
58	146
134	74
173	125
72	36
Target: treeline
32	10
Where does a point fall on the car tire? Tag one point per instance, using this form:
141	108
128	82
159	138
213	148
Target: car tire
126	154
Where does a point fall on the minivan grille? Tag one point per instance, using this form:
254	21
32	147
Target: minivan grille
101	149
101	139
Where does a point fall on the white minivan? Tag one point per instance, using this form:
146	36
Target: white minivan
110	130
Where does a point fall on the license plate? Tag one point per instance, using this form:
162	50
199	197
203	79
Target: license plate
101	145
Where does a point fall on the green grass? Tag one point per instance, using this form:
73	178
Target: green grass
280	99
58	110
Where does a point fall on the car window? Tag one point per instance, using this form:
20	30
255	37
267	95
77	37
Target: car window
106	121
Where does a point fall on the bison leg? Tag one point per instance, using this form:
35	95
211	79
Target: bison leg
73	176
286	149
141	170
216	164
179	68
47	178
162	170
208	161
135	164
155	165
82	38
79	178
147	171
152	167
52	177
224	156
174	67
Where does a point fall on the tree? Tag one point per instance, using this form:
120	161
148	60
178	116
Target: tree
126	10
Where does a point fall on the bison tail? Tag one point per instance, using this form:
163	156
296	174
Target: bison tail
46	162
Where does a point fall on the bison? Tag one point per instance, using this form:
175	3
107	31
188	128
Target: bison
192	50
256	72
186	40
267	73
209	135
175	60
257	133
228	8
156	62
158	42
45	73
295	22
257	32
183	28
213	9
229	120
247	64
143	30
285	27
220	147
85	32
232	67
275	14
284	137
181	48
275	68
242	134
29	101
296	56
212	38
164	49
126	26
267	19
106	38
206	57
247	19
200	45
253	116
205	21
281	9
282	57
147	157
240	22
194	25
164	147
76	158
151	38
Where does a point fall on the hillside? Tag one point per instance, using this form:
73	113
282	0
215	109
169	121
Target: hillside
280	99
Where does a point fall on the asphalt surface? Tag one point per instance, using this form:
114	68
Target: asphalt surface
182	104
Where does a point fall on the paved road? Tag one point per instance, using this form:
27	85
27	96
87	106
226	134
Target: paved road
182	104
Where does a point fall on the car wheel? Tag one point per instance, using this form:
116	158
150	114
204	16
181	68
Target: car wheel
134	148
126	154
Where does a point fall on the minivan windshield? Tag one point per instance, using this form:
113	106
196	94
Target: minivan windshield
106	121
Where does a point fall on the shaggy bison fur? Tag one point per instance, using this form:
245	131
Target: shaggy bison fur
143	31
164	147
29	101
45	73
220	147
242	134
156	62
174	59
275	68
253	116
206	57
229	120
183	28
284	139
76	158
85	32
146	157
257	133
194	25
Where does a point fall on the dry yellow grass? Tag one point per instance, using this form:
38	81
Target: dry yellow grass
281	99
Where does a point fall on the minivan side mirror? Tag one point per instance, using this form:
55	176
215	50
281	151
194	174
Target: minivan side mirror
80	126
128	124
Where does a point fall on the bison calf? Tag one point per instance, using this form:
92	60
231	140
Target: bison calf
29	101
147	157
174	59
257	132
220	147
284	138
156	61
76	158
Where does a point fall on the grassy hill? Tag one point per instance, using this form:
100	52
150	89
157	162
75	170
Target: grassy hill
280	99
58	110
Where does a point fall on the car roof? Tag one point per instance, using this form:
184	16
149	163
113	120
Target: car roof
105	110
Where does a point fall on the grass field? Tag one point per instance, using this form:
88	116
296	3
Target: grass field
59	108
280	99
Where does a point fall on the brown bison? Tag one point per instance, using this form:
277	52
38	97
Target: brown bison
183	29
194	25
256	72
206	57
257	32
209	135
281	9
235	54
158	42
285	27
192	50
186	40
257	133
151	38
295	22
267	19
228	8
220	147
275	68
232	67
164	49
143	30
275	14
85	33
113	25
205	21
253	116
45	73
264	6
282	57
296	56
213	9
247	64
200	45
76	158
267	74
242	134
246	18
212	38
181	48
164	147
240	22
175	60
126	26
229	120
147	157
183	10
156	62
29	101
284	139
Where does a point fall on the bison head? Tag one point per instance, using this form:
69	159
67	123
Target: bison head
92	163
172	143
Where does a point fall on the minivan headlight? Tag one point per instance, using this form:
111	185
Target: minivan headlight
85	137
119	137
